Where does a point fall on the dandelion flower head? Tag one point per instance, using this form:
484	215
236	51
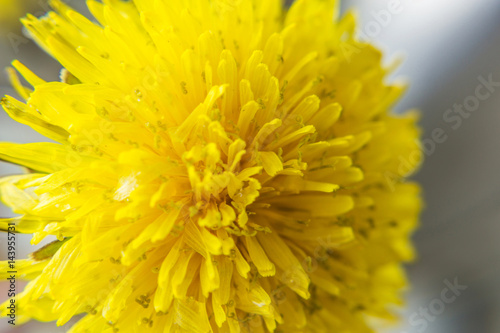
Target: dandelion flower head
215	166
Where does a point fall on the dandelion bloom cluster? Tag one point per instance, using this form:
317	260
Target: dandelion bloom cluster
218	166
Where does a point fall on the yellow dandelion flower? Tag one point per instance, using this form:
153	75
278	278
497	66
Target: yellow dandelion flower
220	166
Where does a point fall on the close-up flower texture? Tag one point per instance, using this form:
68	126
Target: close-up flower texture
211	166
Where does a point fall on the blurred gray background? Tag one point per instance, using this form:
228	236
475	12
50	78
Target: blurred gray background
447	45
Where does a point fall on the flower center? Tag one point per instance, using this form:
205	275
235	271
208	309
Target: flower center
221	190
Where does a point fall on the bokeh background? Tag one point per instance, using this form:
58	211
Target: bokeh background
447	45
